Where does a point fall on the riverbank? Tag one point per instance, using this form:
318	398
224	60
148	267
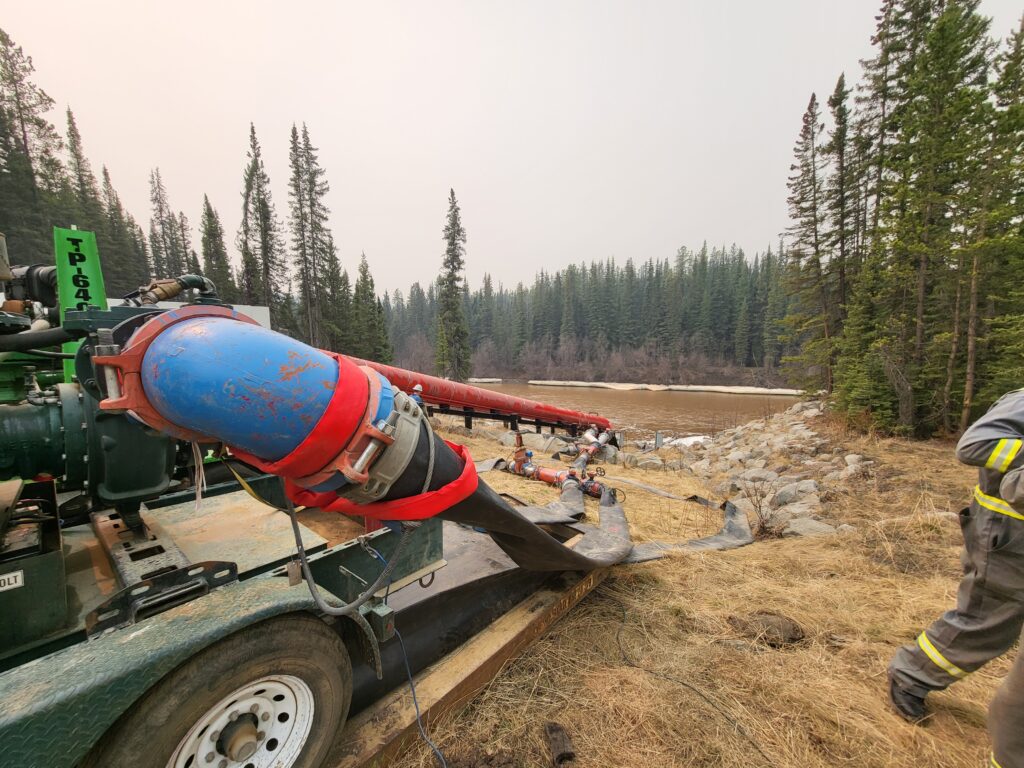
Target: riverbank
806	689
628	387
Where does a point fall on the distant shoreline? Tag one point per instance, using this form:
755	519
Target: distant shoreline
624	387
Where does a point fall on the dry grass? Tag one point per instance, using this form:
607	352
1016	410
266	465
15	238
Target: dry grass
820	702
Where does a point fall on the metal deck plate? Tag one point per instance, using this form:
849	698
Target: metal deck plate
234	528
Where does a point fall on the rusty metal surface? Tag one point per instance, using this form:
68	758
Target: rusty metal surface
234	527
483	401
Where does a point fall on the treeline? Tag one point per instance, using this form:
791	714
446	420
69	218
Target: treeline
661	320
905	253
46	180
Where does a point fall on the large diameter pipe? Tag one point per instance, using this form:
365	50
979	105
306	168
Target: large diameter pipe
443	391
211	375
242	384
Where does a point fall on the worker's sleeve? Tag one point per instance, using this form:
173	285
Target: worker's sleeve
1011	489
994	441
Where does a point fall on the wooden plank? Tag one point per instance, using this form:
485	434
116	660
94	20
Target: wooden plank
373	737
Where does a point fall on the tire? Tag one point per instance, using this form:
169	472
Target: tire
286	682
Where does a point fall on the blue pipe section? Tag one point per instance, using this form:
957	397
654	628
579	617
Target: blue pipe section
243	384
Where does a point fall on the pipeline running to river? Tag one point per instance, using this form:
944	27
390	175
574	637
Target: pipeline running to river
641	412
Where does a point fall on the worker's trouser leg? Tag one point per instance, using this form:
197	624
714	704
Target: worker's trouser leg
1006	717
989	612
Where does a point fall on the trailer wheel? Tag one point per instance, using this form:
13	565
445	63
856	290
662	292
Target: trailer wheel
274	694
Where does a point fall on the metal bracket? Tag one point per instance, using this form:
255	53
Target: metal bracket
137	554
158	594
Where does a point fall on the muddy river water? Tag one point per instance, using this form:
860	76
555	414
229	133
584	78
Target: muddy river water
641	412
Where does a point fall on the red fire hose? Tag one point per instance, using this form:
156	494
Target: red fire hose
484	401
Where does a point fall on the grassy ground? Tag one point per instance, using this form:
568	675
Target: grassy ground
660	666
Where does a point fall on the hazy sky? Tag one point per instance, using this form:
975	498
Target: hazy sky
569	130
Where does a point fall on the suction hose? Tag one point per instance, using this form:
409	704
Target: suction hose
342	437
20	342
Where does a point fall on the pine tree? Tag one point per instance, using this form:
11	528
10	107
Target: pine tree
370	339
215	255
840	192
170	257
83	181
452	351
33	186
338	305
308	214
263	269
124	262
1003	243
811	318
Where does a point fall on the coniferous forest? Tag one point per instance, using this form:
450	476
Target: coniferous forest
896	286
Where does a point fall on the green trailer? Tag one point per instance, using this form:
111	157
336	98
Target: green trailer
141	624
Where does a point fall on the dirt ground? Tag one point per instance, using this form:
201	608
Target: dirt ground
673	663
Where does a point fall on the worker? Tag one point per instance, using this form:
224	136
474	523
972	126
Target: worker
989	613
417	394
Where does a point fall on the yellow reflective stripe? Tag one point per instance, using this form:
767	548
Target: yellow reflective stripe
995	504
940	661
993	761
1011	453
994	456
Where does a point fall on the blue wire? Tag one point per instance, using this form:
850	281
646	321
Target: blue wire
416	704
408	671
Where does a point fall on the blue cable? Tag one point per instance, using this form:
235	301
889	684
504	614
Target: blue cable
416	704
408	672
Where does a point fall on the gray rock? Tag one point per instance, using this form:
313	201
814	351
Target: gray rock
805	526
746	506
650	462
702	467
675	465
846	528
738	457
794	492
608	453
806	507
758	475
855	470
628	459
853	458
507	438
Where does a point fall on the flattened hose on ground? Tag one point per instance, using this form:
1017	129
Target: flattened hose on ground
528	545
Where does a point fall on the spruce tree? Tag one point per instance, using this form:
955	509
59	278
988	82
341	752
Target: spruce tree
338	328
370	337
308	214
170	257
452	350
125	267
216	265
263	269
34	188
840	193
812	317
83	181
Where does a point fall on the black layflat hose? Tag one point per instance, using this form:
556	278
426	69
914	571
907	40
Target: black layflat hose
529	546
20	342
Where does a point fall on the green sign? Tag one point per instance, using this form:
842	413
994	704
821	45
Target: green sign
79	278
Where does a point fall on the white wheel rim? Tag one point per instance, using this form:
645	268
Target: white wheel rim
282	706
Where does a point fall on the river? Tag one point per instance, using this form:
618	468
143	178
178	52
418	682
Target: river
641	412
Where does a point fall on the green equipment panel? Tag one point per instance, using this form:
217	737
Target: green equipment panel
79	278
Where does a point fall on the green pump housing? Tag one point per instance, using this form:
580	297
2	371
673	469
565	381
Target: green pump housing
101	533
